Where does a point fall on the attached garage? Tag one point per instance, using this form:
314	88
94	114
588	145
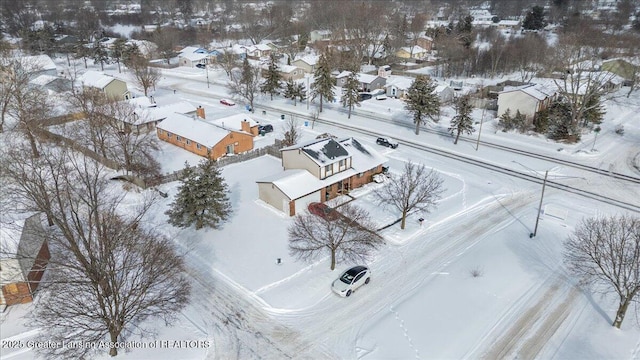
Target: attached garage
290	191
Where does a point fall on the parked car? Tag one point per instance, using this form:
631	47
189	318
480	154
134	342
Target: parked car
227	102
364	96
377	92
267	128
381	97
323	211
351	280
201	66
388	142
379	178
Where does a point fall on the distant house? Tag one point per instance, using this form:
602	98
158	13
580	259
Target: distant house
33	66
258	51
287	72
190	56
509	24
203	138
238	122
147	114
425	42
113	88
416	52
384	71
306	63
367	82
528	99
319	35
20	275
623	68
397	87
317	171
52	83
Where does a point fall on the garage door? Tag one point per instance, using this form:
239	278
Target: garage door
301	203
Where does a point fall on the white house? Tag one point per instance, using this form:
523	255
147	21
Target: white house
317	171
527	99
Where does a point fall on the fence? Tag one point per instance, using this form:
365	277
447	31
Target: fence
273	150
49	136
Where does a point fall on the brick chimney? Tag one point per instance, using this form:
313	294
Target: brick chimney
200	112
244	126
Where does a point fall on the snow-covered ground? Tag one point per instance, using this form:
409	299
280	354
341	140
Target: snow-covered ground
467	283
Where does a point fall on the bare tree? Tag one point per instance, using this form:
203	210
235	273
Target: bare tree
147	77
347	237
606	251
245	83
110	271
228	61
414	189
292	133
166	39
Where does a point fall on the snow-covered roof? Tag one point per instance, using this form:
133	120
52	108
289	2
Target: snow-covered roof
96	79
148	113
309	59
194	129
416	49
343	74
366	78
233	122
400	82
539	92
363	157
43	80
509	23
294	183
193	56
262	47
37	63
287	68
191	50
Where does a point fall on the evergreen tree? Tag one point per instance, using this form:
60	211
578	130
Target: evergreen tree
100	54
462	122
350	92
422	101
506	121
534	20
202	198
520	122
118	50
289	91
300	92
594	113
323	82
560	125
273	77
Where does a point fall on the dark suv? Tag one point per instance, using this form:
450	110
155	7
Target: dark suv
267	128
388	142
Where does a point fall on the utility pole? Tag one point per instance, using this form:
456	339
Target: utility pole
206	68
597	131
484	108
544	184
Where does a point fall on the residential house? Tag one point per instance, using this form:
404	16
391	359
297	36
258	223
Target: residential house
33	66
287	72
367	82
190	56
384	71
317	171
397	87
623	68
148	114
54	84
416	52
528	99
319	35
238	122
511	25
113	88
203	138
307	63
21	273
258	51
425	42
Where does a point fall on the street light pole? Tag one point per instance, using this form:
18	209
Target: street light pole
544	184
206	68
480	131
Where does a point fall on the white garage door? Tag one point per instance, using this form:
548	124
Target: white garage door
301	204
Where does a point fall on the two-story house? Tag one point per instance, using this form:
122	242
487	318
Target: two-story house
317	171
114	89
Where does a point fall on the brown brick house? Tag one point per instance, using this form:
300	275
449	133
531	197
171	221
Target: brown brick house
201	137
319	170
21	273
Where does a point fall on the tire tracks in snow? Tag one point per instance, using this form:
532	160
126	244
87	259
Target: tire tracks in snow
531	331
325	322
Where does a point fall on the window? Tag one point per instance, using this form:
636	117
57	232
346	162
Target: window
188	142
178	138
198	146
342	163
360	175
328	169
169	135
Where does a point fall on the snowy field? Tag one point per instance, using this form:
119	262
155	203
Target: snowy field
467	283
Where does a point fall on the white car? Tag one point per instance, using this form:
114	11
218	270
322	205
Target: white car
350	280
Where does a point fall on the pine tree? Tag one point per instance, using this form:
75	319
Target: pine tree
271	84
462	122
520	122
290	91
594	113
506	122
422	101
100	54
300	92
534	20
350	92
202	198
323	82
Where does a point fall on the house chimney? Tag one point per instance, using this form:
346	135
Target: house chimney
200	112
244	126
